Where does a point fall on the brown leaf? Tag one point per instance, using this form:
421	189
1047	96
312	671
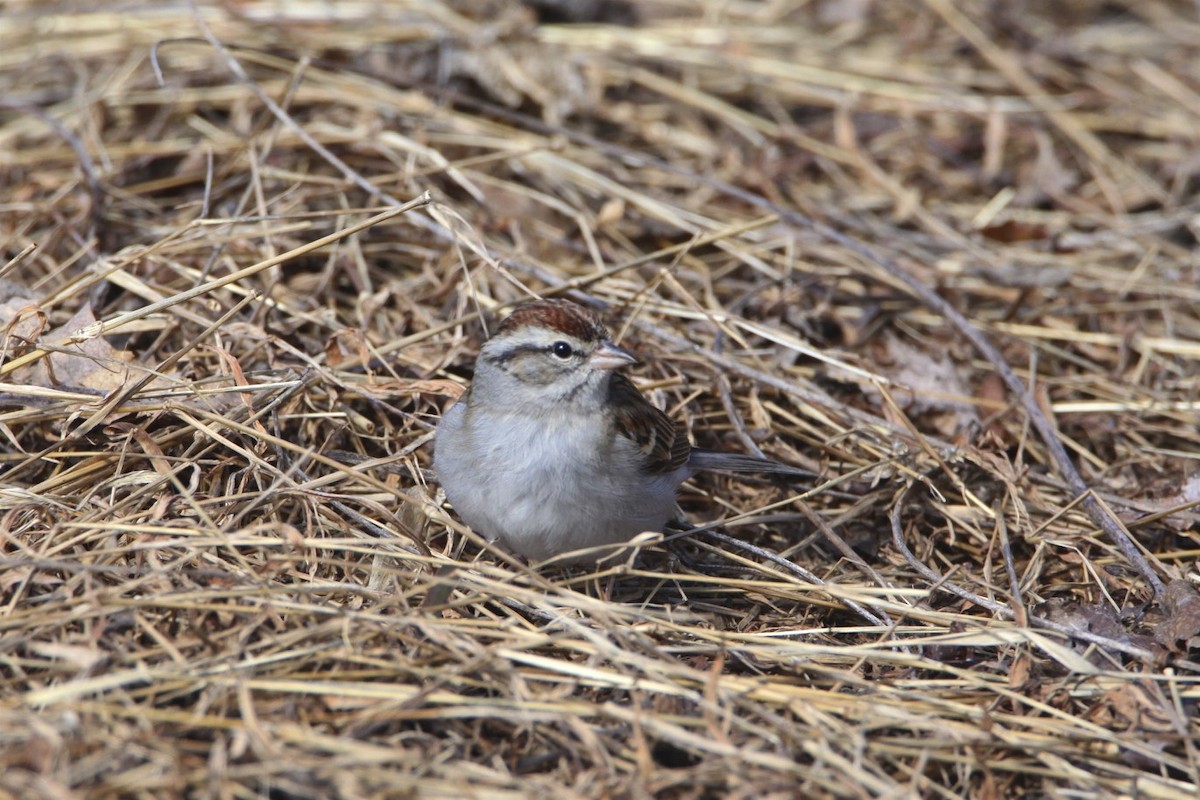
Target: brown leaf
21	318
90	364
1014	231
928	383
1097	618
1022	667
1178	508
347	346
1139	705
1181	623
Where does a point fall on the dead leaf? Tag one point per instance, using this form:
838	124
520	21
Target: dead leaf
1019	672
1178	508
21	318
927	383
1139	705
1098	618
91	364
11	290
347	346
991	397
1013	230
1181	621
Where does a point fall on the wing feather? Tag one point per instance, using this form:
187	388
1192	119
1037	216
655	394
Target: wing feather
664	443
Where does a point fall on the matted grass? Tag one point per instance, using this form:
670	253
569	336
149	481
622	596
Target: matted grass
942	254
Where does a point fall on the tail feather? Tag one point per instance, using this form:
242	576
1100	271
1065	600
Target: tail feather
736	462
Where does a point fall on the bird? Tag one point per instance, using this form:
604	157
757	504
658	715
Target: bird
552	449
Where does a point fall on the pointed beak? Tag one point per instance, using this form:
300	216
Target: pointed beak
610	356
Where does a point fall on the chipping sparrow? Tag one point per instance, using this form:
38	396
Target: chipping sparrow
551	449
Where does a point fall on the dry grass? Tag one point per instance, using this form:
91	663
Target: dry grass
211	301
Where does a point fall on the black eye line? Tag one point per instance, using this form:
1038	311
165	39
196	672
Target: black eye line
503	358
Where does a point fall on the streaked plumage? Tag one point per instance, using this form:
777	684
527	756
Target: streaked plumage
553	450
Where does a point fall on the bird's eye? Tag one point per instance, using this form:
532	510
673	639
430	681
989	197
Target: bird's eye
562	350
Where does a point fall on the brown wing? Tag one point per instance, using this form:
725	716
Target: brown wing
664	443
